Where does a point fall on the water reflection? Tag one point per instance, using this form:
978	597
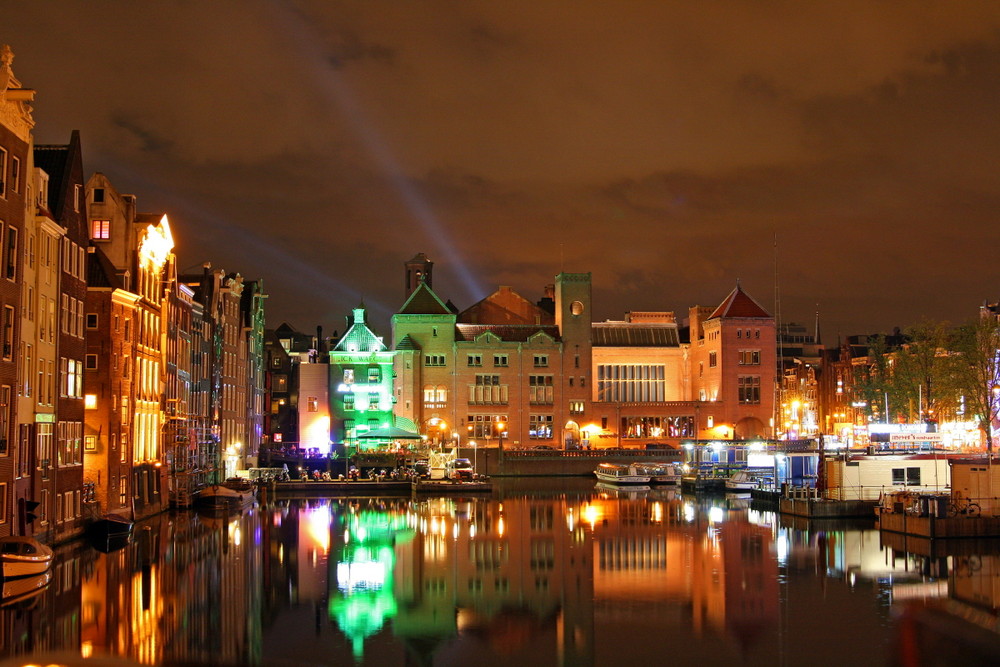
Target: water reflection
573	578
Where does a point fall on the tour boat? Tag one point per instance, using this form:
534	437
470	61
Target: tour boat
661	473
232	494
23	556
614	473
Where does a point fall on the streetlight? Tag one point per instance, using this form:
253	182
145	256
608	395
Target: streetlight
443	425
475	457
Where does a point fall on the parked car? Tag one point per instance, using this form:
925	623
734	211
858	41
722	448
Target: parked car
422	469
459	469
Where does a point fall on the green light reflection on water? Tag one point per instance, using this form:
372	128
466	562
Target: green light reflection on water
363	599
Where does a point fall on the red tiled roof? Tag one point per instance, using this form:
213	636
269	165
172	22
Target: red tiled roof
739	304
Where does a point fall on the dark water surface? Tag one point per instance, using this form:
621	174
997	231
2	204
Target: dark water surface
544	572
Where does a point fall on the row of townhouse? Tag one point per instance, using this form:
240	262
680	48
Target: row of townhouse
533	374
124	386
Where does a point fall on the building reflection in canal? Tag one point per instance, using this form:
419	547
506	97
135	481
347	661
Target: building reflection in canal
575	579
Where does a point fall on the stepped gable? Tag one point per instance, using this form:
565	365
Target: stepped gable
506	332
423	301
739	304
626	334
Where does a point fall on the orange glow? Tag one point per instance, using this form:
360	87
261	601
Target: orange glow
157	244
317	528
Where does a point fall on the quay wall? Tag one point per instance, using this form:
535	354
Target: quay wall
935	527
826	509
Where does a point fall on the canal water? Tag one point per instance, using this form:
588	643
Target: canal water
543	572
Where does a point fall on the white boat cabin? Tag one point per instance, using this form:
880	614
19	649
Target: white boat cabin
868	477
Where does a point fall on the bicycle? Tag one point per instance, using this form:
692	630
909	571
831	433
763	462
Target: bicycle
963	507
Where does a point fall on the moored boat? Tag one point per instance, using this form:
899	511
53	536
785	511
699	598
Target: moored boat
110	526
661	473
232	494
614	473
743	480
22	556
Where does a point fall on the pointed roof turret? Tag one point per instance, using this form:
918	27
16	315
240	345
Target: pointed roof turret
739	304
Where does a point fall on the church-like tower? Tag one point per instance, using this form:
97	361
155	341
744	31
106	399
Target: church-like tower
419	270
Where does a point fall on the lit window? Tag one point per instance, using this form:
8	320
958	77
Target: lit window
100	230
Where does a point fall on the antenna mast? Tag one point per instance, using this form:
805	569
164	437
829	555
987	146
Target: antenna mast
780	366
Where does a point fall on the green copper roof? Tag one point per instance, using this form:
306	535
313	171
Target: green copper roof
359	338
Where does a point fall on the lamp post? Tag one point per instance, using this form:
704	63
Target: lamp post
475	457
500	433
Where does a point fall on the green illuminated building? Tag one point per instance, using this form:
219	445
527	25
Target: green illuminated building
360	384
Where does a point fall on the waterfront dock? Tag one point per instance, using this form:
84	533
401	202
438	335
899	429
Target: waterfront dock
375	488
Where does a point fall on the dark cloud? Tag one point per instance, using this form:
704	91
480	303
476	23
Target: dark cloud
349	48
670	148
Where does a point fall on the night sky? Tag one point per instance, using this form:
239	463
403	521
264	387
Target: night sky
670	148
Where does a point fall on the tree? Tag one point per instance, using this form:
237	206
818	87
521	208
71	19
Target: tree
920	374
975	369
874	383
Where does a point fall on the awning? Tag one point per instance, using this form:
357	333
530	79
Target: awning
390	433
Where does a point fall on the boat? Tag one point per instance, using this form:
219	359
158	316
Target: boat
110	526
614	473
743	480
22	556
24	588
661	473
234	493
